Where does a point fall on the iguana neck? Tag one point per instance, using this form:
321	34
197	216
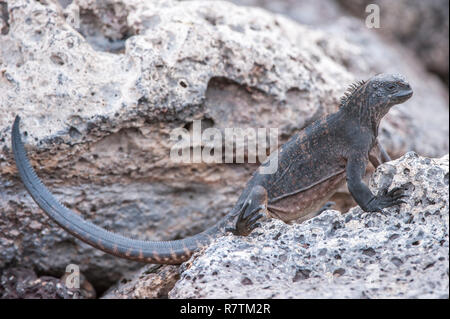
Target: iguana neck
357	111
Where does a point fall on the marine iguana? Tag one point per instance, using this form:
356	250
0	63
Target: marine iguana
311	166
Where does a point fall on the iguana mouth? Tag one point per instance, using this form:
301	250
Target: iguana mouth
403	95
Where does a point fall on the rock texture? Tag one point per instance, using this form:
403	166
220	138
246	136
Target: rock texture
402	253
100	95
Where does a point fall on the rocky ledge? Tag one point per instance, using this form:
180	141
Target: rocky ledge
400	253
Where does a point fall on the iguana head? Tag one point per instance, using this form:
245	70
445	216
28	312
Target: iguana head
386	90
371	100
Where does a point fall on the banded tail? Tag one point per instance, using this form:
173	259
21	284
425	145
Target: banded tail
157	252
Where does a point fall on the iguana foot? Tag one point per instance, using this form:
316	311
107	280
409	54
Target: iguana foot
386	199
252	210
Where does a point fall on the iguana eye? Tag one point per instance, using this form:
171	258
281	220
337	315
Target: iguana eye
392	87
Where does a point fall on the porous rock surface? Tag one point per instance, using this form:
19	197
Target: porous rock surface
401	253
100	95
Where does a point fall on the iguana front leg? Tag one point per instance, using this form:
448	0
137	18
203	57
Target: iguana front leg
378	155
356	167
253	209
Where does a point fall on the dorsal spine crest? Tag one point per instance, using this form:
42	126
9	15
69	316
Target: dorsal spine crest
350	91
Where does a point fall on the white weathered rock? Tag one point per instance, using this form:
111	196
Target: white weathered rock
401	253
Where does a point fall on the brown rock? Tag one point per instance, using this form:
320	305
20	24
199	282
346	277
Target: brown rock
150	282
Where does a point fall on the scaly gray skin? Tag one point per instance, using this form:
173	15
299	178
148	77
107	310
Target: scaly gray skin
311	166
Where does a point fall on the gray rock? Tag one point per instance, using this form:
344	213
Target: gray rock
401	253
4	27
321	13
23	283
420	26
98	101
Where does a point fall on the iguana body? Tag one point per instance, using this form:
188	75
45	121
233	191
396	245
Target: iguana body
311	166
